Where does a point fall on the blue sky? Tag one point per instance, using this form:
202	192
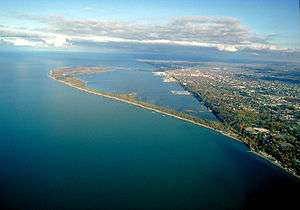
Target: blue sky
256	25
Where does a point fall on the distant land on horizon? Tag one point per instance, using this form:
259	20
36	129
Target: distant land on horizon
149	104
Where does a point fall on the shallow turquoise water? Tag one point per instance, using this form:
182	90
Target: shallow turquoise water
64	149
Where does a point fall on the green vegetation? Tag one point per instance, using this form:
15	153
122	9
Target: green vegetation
267	121
264	114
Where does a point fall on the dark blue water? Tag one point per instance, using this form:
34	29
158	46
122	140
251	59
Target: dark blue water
64	149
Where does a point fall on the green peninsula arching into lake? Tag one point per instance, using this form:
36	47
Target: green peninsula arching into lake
80	149
68	77
149	105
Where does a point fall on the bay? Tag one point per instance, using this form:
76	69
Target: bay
64	149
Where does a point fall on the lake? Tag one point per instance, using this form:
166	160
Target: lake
64	149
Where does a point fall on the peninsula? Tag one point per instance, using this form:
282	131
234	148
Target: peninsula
67	76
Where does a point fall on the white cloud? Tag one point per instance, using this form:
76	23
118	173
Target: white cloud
23	37
23	42
56	41
222	33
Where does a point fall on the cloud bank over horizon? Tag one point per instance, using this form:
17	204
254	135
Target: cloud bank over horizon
221	33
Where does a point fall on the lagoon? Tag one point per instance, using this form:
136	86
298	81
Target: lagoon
63	149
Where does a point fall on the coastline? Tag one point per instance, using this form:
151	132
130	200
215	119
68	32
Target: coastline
165	112
142	106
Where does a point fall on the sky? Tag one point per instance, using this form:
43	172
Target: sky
227	26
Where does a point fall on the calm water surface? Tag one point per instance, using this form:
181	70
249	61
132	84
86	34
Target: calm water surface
64	149
148	87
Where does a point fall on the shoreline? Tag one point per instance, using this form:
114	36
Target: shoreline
137	104
144	107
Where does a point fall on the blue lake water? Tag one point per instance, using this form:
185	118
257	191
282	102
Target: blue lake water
64	149
148	87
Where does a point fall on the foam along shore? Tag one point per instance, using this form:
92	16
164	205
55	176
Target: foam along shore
67	77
